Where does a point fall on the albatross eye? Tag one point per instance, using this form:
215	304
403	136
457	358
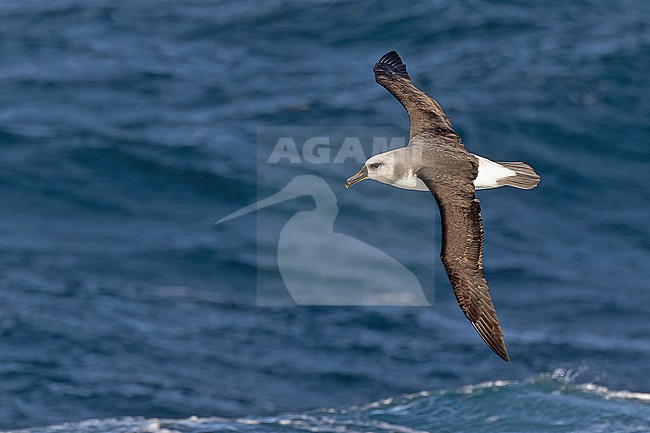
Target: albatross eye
375	166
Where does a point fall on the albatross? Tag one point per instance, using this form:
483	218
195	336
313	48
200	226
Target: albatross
435	160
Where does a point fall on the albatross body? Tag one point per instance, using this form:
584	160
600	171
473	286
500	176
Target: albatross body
435	160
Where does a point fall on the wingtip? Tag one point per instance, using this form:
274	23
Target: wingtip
493	340
391	64
499	350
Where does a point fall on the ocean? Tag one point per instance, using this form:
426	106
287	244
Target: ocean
127	129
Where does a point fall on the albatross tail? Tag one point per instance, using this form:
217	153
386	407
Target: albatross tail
526	178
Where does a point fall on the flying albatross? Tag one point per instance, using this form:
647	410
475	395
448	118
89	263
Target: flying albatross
435	160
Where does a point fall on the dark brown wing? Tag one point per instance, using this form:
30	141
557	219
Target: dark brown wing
425	115
462	253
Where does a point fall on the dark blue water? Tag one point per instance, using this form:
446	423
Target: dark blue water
128	128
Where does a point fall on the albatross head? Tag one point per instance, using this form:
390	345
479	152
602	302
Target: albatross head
391	168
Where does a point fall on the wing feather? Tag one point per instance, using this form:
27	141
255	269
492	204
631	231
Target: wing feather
425	114
462	254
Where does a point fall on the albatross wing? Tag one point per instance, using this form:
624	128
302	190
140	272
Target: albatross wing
462	254
425	114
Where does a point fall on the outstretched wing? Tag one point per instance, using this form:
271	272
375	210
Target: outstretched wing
462	256
425	115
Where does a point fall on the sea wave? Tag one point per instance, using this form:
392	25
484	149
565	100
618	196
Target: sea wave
548	402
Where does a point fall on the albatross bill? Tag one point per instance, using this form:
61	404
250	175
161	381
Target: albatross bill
361	175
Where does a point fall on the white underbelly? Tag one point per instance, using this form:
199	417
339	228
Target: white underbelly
413	183
489	173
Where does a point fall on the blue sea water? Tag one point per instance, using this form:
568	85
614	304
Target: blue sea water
128	128
545	403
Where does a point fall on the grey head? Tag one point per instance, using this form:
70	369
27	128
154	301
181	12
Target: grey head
397	168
